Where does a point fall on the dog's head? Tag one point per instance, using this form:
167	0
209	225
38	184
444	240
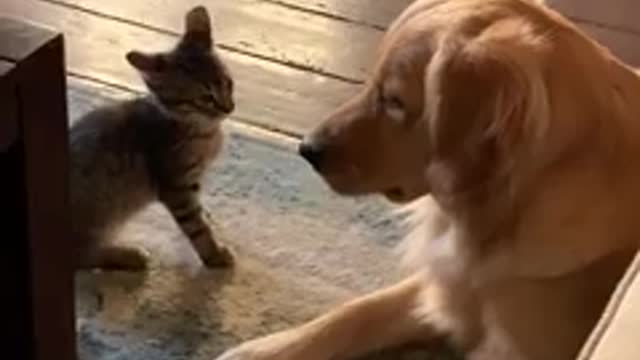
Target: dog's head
458	98
376	142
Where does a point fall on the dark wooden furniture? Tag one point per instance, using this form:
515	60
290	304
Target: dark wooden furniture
38	321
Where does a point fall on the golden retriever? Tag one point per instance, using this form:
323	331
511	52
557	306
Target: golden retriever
517	138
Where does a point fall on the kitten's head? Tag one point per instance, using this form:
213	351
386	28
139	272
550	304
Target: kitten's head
191	78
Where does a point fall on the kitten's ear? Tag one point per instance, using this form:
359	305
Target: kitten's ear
198	26
148	63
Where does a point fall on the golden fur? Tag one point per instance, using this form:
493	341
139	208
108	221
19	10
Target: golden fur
519	139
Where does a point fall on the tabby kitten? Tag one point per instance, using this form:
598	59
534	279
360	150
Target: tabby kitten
153	148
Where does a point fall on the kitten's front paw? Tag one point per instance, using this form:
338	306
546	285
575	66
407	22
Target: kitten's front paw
220	257
133	259
210	248
119	257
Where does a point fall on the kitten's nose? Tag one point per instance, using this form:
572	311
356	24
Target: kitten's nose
229	106
311	152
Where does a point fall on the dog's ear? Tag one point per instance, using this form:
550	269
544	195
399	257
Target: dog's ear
484	104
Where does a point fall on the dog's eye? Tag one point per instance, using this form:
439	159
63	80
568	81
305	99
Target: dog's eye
394	107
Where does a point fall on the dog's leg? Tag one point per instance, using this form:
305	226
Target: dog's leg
386	318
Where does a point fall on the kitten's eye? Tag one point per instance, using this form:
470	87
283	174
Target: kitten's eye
394	107
207	98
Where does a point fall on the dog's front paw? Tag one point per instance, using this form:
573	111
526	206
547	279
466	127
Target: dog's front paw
261	349
239	354
289	345
249	351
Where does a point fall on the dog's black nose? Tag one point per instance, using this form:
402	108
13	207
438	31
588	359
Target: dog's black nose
313	153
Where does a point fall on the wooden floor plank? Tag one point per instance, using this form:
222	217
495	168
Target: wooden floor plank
268	94
376	13
302	39
618	14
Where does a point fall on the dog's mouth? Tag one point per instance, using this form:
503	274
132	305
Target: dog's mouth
396	194
399	194
351	182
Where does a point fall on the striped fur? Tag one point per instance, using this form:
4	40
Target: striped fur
152	148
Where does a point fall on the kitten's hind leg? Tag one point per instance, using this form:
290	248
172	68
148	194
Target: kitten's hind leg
194	221
109	256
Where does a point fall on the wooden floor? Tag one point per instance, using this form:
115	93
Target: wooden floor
293	60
